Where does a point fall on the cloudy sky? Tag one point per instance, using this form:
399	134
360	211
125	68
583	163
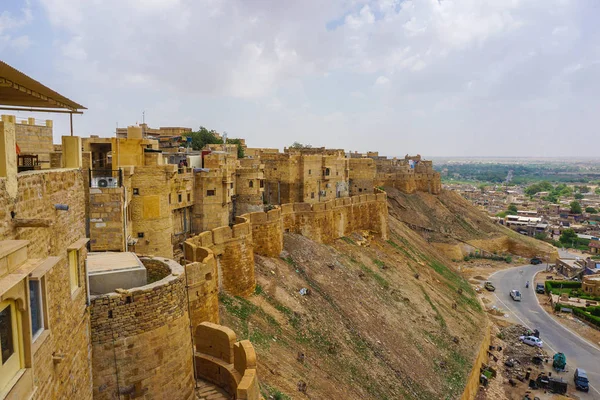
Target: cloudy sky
435	77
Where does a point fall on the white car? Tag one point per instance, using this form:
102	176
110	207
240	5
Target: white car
531	340
515	295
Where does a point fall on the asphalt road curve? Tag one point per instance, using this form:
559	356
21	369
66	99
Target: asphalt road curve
579	352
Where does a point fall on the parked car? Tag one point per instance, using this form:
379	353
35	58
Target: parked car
581	380
489	286
515	295
539	288
535	261
531	340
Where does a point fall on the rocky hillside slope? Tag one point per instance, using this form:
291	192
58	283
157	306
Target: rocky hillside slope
379	319
456	227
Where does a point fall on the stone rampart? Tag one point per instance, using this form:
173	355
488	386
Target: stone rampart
137	332
107	219
235	255
222	361
325	222
233	248
267	232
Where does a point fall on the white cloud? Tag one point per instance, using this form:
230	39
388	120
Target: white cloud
382	80
10	24
364	17
264	66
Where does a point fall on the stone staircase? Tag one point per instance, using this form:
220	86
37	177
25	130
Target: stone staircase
209	391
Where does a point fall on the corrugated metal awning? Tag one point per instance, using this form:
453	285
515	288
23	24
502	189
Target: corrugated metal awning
18	89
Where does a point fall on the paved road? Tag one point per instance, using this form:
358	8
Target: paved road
528	312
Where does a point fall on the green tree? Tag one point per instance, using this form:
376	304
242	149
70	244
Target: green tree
575	207
202	137
591	210
578	196
240	149
597	190
583	189
541	236
482	188
543	186
300	146
511	210
568	236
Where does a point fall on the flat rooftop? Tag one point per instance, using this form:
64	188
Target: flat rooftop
112	262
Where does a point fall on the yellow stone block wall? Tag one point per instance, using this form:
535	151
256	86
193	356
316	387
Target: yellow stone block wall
233	248
150	210
327	221
203	287
71	152
141	340
211	211
308	178
281	178
68	319
35	139
267	232
335	185
248	190
361	175
69	336
262	233
107	219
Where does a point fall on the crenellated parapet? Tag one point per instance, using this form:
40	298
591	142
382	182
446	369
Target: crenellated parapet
327	221
228	252
233	248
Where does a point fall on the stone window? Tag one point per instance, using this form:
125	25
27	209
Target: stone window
231	185
312	195
37	302
74	270
360	189
251	184
211	192
327	171
189	197
179	197
309	171
262	183
136	191
140	235
10	360
169	198
208	276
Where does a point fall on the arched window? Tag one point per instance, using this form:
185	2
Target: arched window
251	184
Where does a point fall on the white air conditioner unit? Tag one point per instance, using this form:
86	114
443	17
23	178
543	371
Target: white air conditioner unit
105	182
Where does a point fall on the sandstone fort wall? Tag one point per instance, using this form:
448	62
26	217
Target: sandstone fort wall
262	233
234	255
66	334
141	339
325	222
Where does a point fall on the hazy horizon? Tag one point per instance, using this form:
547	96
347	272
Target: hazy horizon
457	77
